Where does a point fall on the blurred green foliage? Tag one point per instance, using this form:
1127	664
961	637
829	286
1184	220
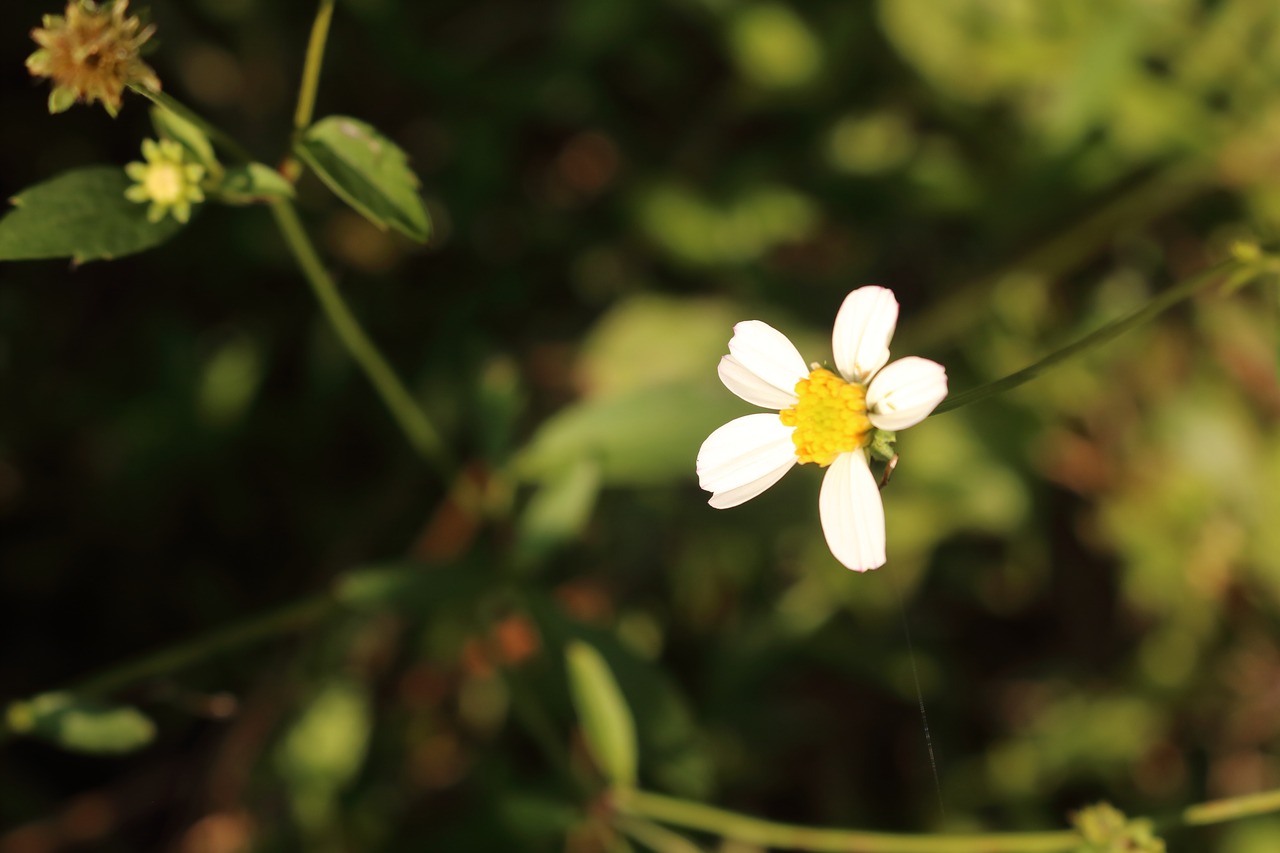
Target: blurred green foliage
1089	566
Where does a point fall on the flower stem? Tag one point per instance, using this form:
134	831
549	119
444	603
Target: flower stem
1235	270
415	424
311	67
752	830
302	114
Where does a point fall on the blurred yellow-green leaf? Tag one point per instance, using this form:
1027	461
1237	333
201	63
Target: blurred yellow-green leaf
81	724
603	713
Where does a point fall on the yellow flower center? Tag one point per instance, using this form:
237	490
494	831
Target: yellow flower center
165	182
830	418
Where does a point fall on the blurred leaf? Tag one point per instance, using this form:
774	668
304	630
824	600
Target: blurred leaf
649	340
83	215
559	510
368	172
324	748
255	182
647	436
413	586
773	46
82	725
668	740
230	381
603	713
170	125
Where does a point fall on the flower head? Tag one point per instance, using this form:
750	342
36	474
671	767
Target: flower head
91	53
166	180
826	418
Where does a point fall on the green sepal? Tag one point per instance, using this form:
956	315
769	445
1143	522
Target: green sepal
253	183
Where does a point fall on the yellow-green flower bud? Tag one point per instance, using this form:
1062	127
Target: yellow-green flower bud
166	180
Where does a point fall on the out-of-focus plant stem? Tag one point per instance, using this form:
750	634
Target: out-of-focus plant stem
1235	273
752	830
416	426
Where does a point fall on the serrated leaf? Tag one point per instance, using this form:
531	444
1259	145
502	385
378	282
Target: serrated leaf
170	125
253	183
368	172
603	713
82	725
83	215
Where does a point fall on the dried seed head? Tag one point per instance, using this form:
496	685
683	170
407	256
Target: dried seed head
91	53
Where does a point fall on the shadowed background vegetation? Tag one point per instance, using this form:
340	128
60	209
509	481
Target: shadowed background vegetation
1089	566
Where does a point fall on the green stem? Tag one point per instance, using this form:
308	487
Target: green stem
416	426
311	67
1158	305
287	619
1233	808
220	137
752	830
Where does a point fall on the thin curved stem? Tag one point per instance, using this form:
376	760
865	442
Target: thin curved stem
752	830
1236	270
415	424
311	67
291	168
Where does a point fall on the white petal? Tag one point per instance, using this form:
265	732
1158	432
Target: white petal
905	392
744	457
864	327
852	514
766	354
752	388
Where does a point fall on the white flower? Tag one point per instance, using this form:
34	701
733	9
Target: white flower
822	418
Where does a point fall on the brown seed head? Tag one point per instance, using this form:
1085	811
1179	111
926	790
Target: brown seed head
91	53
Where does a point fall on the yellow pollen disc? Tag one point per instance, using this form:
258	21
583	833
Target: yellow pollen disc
165	182
830	417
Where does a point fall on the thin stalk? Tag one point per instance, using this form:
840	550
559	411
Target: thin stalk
415	424
291	168
1156	306
287	619
311	66
219	136
752	830
1233	808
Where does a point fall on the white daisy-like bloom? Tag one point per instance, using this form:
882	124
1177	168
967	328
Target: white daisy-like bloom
821	417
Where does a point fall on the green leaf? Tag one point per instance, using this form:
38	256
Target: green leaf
645	436
81	725
83	215
325	747
559	510
603	712
368	172
675	754
254	183
170	125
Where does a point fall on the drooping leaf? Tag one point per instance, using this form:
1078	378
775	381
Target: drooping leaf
170	125
82	725
82	215
603	713
253	183
368	172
